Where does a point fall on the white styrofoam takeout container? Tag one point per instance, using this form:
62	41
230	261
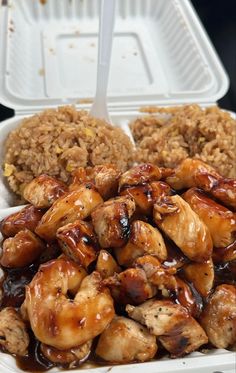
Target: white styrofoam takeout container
161	55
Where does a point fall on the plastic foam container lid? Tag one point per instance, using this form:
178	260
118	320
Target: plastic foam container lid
161	56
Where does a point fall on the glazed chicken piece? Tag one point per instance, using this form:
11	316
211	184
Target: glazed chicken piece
143	173
201	275
177	331
143	239
111	221
43	191
104	177
126	341
220	221
106	264
145	195
130	286
219	317
72	356
225	254
185	174
78	241
180	223
159	276
21	250
62	322
28	218
72	206
222	189
13	333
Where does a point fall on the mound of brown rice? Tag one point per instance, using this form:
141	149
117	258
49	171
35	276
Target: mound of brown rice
168	136
56	142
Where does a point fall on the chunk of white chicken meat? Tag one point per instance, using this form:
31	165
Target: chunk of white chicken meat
143	173
13	333
220	221
175	217
125	341
42	191
219	317
111	221
143	239
104	177
177	331
72	206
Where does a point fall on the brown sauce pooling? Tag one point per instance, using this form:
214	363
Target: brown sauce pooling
14	283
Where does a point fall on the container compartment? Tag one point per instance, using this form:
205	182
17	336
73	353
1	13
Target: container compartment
158	51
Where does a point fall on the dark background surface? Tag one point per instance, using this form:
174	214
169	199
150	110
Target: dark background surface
219	20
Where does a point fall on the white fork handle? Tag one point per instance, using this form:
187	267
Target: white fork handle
106	27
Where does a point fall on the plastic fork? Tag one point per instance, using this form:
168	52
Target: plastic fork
106	26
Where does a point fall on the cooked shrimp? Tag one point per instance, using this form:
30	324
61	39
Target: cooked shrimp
176	218
78	241
72	206
43	191
28	218
220	221
21	250
178	332
111	221
59	321
72	356
184	175
125	341
13	333
219	317
104	177
106	264
143	239
142	174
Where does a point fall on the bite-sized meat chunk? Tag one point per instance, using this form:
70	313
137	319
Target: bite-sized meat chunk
142	195
219	317
72	356
42	191
145	195
143	239
106	264
111	221
104	177
78	241
21	250
72	206
143	173
159	276
184	175
201	275
125	341
176	218
28	218
178	332
130	286
220	221
225	254
13	333
222	189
